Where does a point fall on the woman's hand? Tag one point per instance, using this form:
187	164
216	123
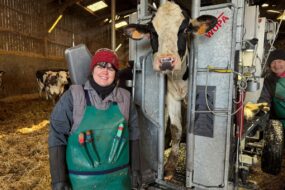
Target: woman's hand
251	109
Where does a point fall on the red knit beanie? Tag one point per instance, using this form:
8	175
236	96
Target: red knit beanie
105	55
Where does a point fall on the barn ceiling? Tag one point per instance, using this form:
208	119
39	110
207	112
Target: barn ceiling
124	7
269	13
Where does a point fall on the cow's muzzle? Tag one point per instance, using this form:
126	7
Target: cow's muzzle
166	63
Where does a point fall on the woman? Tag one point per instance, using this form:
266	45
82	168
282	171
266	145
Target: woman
90	129
273	92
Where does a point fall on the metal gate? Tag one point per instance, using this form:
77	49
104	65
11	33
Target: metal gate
210	125
210	114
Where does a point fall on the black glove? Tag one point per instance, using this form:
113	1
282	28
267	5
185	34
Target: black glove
135	163
58	169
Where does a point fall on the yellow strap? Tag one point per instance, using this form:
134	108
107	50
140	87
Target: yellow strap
219	70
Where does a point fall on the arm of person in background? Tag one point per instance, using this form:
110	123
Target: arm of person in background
60	125
134	147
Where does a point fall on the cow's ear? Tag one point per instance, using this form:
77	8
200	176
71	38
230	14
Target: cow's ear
202	24
136	31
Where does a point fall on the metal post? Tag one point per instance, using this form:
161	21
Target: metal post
142	9
160	170
190	141
113	14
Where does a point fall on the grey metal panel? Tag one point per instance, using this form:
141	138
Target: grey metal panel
138	52
148	143
78	60
210	153
148	97
151	90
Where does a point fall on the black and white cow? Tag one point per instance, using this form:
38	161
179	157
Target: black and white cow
1	79
53	82
168	31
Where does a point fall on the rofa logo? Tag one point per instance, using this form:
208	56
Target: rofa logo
221	19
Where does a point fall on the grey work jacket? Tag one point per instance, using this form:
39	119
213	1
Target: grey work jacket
68	112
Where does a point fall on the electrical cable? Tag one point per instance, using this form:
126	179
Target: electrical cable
241	86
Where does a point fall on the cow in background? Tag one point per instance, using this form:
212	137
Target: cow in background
53	82
168	33
1	80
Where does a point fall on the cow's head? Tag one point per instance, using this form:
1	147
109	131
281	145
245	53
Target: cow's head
63	77
168	35
50	78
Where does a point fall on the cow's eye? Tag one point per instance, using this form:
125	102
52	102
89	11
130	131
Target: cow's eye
184	25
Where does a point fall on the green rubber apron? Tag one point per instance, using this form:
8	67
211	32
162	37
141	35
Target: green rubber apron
98	151
279	100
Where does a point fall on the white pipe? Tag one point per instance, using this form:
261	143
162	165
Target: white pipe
190	138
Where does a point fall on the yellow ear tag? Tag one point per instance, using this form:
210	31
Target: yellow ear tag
202	29
136	35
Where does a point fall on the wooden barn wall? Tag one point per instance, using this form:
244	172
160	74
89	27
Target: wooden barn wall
20	73
26	46
24	25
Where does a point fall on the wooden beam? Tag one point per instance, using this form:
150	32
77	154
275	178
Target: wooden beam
59	14
87	10
53	9
122	13
67	4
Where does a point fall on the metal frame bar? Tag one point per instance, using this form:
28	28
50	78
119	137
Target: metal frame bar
160	124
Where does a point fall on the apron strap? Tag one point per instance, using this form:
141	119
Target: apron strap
87	98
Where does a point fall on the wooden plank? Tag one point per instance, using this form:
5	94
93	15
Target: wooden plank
16	10
30	54
19	33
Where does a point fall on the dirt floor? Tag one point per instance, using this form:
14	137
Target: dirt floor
23	147
267	181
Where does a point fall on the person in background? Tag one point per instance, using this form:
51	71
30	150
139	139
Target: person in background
92	129
126	76
272	96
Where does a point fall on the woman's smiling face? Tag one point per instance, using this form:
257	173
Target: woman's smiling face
104	74
278	66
